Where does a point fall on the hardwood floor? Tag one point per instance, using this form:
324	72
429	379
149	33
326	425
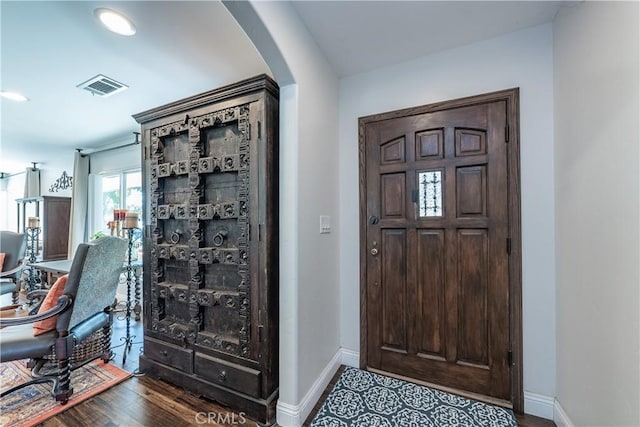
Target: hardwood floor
144	401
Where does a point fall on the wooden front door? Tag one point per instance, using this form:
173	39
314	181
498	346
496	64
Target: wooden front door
439	211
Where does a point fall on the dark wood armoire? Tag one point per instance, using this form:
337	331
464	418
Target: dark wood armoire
210	172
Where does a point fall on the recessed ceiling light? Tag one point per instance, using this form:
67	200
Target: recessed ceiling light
14	96
115	21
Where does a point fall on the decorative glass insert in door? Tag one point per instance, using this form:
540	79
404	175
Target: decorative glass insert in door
430	193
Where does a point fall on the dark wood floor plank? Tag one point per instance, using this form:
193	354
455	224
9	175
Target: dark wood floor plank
525	420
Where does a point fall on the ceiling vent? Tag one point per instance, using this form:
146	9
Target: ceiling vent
102	86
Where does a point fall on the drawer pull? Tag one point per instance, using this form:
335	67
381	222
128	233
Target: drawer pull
164	353
223	375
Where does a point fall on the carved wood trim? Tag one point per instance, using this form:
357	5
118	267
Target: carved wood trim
248	86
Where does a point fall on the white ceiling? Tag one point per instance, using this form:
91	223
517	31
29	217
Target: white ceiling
49	47
183	48
359	36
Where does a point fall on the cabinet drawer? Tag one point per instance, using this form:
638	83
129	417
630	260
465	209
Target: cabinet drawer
169	354
237	377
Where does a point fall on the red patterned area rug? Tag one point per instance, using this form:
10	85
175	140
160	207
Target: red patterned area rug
34	404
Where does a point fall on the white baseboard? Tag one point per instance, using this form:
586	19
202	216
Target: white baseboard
350	358
288	415
538	405
560	417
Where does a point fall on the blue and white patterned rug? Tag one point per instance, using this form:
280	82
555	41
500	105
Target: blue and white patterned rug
365	399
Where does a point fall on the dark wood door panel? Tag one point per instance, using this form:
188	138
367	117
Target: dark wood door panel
392	152
430	301
470	142
429	144
472	289
435	371
394	294
392	192
435	221
471	191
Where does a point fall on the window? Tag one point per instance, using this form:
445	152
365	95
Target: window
133	192
121	190
110	197
430	193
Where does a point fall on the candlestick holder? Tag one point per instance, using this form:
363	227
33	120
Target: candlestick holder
33	277
132	280
118	227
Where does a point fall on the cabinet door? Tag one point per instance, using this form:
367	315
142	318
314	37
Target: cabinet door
55	215
201	217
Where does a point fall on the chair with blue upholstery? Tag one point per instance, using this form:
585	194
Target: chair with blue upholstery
83	313
14	246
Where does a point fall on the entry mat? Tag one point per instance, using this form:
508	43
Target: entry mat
366	399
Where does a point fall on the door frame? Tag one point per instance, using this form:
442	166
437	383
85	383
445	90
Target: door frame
512	99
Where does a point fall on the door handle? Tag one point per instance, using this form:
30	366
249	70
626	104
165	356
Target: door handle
373	220
374	251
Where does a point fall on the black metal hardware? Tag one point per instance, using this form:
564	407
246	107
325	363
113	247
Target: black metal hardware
218	238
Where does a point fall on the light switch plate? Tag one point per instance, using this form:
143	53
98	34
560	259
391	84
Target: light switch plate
325	224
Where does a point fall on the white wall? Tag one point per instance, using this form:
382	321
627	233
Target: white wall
309	286
596	49
12	189
522	59
52	170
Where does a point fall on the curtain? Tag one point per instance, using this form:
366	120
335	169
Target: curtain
79	203
32	183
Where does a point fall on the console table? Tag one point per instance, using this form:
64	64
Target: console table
52	269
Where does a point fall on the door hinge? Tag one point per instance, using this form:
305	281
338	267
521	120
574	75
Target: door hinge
506	134
508	245
510	357
260	330
259	130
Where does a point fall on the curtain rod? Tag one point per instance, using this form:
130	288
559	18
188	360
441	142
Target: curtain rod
4	175
9	175
136	142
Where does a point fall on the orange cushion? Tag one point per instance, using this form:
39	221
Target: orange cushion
2	255
50	301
